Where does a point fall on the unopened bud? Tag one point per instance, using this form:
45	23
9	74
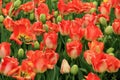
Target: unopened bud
110	50
20	52
43	18
74	69
36	45
103	21
59	18
109	30
1	18
17	3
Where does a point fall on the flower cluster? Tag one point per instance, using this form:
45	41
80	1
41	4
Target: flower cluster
70	38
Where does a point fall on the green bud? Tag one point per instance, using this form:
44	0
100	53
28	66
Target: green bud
92	10
7	1
20	52
59	18
36	45
109	30
74	69
1	18
95	3
69	40
103	21
45	27
54	0
17	3
56	13
32	16
110	50
112	54
43	18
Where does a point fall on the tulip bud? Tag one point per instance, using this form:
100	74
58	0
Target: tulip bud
110	50
92	10
56	13
32	16
36	45
17	3
69	40
1	18
74	69
112	54
20	52
45	27
43	18
7	1
103	21
95	3
59	18
108	30
65	67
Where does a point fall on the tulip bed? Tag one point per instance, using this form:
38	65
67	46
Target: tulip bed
59	39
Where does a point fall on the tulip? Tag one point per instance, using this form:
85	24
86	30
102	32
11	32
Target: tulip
65	67
92	76
116	26
73	49
4	49
112	63
96	46
99	63
8	64
117	11
64	27
88	54
92	32
50	40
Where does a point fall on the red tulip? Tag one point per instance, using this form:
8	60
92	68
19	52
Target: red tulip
112	63
88	54
22	34
39	60
89	18
62	6
114	3
52	58
26	71
92	76
50	40
74	49
64	27
116	26
92	32
0	4
105	8
76	31
42	9
52	26
23	21
117	11
38	2
27	7
9	23
5	10
65	67
37	28
96	46
99	63
4	49
8	64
